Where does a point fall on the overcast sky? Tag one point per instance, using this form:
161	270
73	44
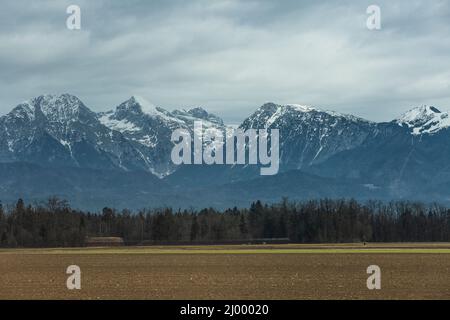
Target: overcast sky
229	56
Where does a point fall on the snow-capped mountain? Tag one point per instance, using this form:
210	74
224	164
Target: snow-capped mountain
149	129
408	157
195	114
62	131
424	119
309	135
81	154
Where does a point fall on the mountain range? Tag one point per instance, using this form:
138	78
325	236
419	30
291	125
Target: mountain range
56	146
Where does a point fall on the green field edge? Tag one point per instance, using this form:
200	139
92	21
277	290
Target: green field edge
96	251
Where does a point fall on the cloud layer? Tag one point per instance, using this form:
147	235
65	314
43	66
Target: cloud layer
229	56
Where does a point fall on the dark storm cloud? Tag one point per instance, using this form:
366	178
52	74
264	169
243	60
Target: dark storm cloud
229	56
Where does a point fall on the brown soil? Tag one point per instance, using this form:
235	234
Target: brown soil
225	276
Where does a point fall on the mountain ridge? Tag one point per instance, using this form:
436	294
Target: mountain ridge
337	155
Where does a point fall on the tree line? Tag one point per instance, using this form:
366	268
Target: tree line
56	224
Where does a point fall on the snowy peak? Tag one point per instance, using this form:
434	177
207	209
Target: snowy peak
137	109
302	108
424	119
24	111
420	114
293	107
62	108
271	107
146	106
271	113
309	135
59	130
198	113
139	106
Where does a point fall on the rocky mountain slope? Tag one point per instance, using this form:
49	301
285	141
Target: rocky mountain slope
61	131
56	145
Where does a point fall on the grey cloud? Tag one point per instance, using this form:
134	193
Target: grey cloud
229	56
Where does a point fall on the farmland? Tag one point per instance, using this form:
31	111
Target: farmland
334	271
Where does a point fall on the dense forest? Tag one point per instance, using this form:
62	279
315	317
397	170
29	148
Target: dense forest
55	224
